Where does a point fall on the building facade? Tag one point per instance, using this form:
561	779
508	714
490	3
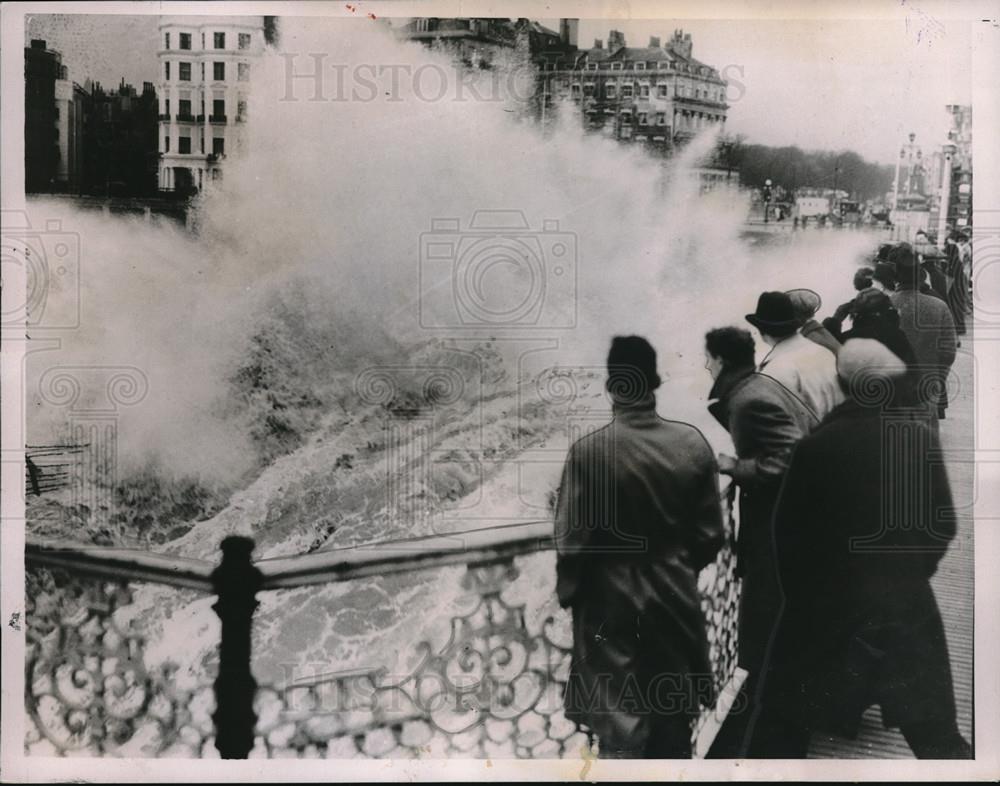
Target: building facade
205	70
473	42
55	111
121	146
658	94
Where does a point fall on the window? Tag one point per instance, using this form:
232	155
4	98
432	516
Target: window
643	119
220	40
166	70
185	40
661	118
184	72
588	89
591	66
661	91
643	91
616	66
626	116
627	91
184	144
202	141
241	110
202	72
219	72
663	65
166	107
166	41
610	91
184	108
640	66
574	89
202	40
244	40
219	146
218	107
166	143
243	71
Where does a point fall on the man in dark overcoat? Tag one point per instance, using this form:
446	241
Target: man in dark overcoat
638	516
929	326
864	517
765	421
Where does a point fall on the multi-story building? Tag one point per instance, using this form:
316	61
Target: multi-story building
121	142
476	43
205	70
54	116
658	94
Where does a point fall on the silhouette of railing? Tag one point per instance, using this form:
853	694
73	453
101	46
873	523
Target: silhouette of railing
494	689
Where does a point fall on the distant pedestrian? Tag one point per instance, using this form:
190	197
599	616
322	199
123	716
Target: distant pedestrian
860	624
928	324
805	368
876	318
806	303
638	516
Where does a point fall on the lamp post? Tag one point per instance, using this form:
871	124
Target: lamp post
948	149
767	198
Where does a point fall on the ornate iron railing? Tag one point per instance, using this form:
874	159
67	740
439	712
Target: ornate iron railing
494	689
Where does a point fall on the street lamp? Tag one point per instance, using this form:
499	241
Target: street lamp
767	198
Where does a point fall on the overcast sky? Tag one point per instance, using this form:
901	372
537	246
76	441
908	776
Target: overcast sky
827	85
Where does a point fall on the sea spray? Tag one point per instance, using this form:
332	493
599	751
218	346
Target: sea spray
309	276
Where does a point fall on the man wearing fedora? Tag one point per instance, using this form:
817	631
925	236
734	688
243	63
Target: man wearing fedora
806	303
927	322
805	368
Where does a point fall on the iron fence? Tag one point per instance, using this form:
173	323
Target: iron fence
494	689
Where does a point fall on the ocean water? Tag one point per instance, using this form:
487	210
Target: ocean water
441	280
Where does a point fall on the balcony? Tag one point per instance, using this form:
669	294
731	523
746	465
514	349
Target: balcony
163	117
185	118
217	120
92	689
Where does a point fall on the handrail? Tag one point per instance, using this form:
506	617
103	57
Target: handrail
488	544
115	563
399	556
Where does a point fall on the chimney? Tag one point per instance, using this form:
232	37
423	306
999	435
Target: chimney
616	39
568	31
598	43
681	43
654	42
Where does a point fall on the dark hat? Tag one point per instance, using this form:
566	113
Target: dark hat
885	274
903	257
775	314
871	301
632	367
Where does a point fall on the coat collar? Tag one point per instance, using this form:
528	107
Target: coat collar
725	384
635	410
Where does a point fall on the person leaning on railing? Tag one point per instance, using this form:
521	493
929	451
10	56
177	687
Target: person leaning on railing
637	517
765	421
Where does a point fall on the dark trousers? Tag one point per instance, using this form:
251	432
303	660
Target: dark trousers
669	738
774	737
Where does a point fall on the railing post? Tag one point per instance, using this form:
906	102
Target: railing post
236	582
